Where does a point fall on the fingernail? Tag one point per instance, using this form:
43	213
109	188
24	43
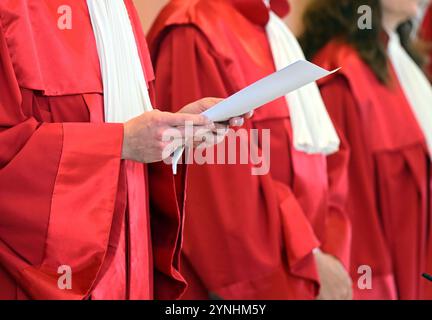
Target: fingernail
207	120
238	122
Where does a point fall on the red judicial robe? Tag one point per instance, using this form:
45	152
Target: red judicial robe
426	34
246	237
389	176
66	198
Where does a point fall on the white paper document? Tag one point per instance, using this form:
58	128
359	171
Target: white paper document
266	90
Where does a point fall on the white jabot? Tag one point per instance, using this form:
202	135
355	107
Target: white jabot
415	85
313	129
125	88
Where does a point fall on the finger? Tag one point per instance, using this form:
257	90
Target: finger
172	146
207	103
249	114
168	160
221	126
223	123
350	290
198	136
202	145
183	119
350	295
221	129
345	295
191	132
236	122
200	106
208	141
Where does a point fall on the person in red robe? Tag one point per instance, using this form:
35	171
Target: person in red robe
81	217
254	237
389	168
426	35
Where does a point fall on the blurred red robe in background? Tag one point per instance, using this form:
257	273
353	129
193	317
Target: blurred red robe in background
389	177
426	35
66	198
246	237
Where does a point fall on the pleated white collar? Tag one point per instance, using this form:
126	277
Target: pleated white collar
125	88
416	86
313	130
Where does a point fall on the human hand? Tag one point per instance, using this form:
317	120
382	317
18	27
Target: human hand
207	139
144	136
336	283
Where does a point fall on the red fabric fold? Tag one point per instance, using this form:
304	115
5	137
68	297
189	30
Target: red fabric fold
81	170
388	158
66	198
251	239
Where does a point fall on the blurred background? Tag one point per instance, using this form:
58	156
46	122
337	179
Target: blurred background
149	9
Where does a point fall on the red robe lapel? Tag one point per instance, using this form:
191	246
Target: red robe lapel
64	192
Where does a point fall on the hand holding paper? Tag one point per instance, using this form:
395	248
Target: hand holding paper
270	88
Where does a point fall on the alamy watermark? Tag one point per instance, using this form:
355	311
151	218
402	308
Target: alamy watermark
364	281
64	281
64	22
222	147
364	22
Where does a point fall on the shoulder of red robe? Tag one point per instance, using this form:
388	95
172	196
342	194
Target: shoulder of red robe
336	54
205	15
46	37
257	12
339	54
373	98
187	11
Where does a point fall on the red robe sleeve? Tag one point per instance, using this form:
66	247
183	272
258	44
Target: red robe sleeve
167	229
187	69
339	101
59	187
338	225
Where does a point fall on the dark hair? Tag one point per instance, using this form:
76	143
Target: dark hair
330	19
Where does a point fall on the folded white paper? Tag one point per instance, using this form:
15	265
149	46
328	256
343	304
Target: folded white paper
270	88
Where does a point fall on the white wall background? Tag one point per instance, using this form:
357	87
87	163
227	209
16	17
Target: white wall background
148	10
